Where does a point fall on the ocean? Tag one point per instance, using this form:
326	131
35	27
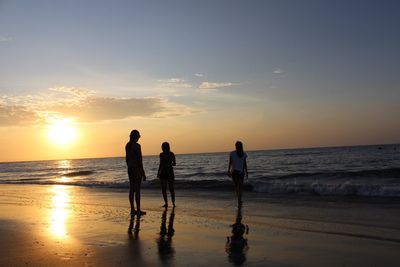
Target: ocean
340	171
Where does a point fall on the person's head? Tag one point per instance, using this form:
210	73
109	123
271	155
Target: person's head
134	136
165	147
239	148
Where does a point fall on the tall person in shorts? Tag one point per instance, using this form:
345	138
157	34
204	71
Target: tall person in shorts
166	173
135	171
237	169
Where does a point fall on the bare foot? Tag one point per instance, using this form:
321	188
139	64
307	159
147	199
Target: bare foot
140	213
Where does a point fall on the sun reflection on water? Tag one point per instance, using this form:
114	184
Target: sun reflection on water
65	165
59	211
63	179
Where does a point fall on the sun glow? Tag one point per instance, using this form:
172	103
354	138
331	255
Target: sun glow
62	132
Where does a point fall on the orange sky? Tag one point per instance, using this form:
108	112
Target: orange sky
186	134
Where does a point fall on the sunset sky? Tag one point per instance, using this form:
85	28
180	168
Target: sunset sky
77	76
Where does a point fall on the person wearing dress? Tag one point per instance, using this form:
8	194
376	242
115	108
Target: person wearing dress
166	173
237	169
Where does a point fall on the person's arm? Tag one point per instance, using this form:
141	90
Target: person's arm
245	168
159	168
229	166
141	162
126	155
173	160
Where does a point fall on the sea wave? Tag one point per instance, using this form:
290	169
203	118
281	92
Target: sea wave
375	182
373	173
353	171
337	188
78	173
347	188
201	174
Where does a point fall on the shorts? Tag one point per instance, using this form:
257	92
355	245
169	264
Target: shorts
167	174
135	178
237	176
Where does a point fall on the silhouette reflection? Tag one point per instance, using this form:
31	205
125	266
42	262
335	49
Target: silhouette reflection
166	250
133	231
236	245
135	249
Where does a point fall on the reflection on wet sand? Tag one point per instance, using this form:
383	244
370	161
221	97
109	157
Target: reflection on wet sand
166	250
135	252
59	211
60	203
236	245
133	232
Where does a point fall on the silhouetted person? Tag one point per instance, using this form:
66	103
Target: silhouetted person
135	171
237	169
236	244
164	241
166	172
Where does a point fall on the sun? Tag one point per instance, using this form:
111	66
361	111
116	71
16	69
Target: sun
62	132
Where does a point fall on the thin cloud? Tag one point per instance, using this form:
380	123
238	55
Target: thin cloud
277	71
79	92
172	80
214	85
107	108
199	75
4	39
82	105
16	116
174	83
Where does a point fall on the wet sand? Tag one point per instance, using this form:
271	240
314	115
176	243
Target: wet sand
59	225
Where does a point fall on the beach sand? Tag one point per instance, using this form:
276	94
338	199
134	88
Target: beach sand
56	225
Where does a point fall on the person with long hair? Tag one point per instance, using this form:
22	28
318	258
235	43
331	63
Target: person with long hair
134	161
237	169
166	172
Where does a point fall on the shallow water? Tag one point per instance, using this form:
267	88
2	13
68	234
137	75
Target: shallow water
357	170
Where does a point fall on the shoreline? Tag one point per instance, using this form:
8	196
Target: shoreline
69	225
227	188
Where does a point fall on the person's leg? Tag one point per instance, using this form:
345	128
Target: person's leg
137	199
235	183
131	193
172	191
164	191
236	180
238	194
137	184
240	189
